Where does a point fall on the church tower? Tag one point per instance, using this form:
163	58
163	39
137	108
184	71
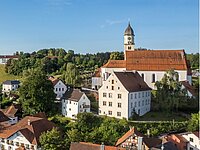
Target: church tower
129	38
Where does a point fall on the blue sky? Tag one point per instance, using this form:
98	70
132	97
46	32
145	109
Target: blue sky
90	26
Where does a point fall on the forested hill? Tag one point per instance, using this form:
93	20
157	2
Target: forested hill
57	61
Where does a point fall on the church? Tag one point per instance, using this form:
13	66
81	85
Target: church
150	64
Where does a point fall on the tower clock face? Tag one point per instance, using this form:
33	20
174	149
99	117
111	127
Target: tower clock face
129	38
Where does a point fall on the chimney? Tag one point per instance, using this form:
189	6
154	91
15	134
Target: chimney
29	122
140	143
102	146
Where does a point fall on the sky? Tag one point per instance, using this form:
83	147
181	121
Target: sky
90	26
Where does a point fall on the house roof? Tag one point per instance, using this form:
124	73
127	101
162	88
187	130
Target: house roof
9	56
97	73
10	111
132	81
127	135
11	82
54	80
189	87
155	60
73	95
181	138
91	146
167	146
3	117
115	64
151	142
30	131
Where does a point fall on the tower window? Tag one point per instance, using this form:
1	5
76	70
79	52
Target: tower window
129	47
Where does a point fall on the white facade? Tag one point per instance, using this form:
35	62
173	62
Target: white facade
59	89
194	141
96	82
71	108
116	101
15	141
105	72
9	87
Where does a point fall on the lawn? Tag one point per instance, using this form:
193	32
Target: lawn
161	116
4	76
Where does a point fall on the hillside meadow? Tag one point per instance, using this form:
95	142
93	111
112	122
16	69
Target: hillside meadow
5	76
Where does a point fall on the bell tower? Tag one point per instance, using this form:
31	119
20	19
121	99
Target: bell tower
129	38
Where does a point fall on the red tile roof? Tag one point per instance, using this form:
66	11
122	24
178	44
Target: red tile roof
53	80
91	146
9	56
97	73
189	87
115	64
30	131
127	135
156	60
10	111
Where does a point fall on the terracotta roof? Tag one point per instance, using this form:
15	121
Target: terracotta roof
189	87
3	117
181	138
9	56
91	146
97	73
155	60
10	111
30	131
53	80
127	135
73	94
196	133
132	81
115	64
152	142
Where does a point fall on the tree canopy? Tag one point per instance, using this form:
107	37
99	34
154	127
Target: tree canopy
36	93
193	123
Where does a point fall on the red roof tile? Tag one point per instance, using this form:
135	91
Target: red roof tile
115	64
127	135
53	80
97	73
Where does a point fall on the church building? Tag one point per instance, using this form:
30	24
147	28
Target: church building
150	64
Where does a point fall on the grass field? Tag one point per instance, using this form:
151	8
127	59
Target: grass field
4	76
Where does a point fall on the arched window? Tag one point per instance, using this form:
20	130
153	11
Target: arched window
153	78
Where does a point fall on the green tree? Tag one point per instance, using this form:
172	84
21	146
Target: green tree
51	140
193	123
36	93
117	56
169	92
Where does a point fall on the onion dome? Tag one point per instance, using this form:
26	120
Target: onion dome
129	30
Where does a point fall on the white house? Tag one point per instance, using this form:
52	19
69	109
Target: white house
194	140
150	64
124	93
59	87
96	80
75	102
10	85
25	134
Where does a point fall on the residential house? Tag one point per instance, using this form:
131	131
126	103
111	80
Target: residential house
11	113
96	79
10	85
136	140
90	146
194	140
59	87
150	64
25	134
180	142
189	88
4	58
75	101
123	94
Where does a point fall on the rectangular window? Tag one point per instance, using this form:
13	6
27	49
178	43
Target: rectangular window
119	105
146	94
139	95
153	78
191	140
146	101
118	113
110	95
69	109
110	104
109	112
143	103
142	94
119	95
62	89
135	104
131	96
135	95
139	104
191	148
118	88
104	94
70	102
112	87
112	81
104	103
131	105
56	89
59	89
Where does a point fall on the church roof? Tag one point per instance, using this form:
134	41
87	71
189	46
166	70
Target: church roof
115	64
156	60
129	30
